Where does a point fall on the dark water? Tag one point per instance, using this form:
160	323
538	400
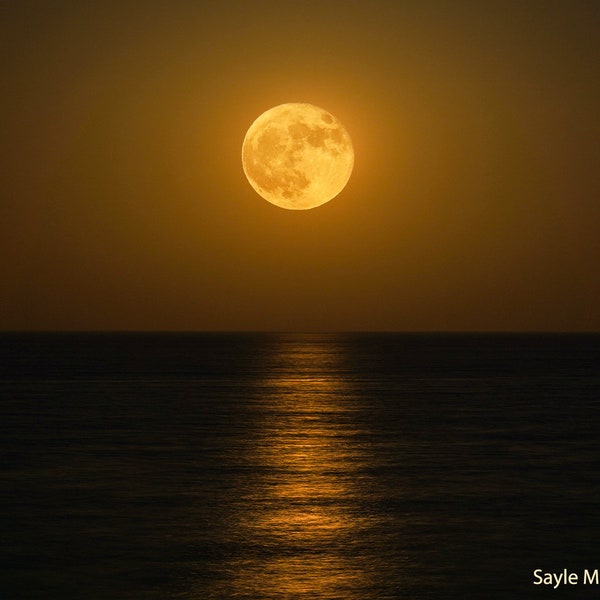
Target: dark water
258	466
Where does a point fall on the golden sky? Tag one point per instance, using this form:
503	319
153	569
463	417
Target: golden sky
474	202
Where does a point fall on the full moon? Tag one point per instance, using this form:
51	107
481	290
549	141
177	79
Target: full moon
297	156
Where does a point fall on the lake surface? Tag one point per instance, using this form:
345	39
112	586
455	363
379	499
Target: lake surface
272	466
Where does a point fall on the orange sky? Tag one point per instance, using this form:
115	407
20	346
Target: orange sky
474	202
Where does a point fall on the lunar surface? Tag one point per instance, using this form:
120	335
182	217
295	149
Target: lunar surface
297	156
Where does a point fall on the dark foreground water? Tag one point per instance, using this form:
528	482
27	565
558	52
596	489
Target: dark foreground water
258	466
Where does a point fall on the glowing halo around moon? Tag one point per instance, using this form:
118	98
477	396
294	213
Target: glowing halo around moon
297	156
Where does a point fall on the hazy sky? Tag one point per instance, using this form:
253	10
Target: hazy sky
474	202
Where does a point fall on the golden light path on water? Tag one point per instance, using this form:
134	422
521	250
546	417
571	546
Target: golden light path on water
303	513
